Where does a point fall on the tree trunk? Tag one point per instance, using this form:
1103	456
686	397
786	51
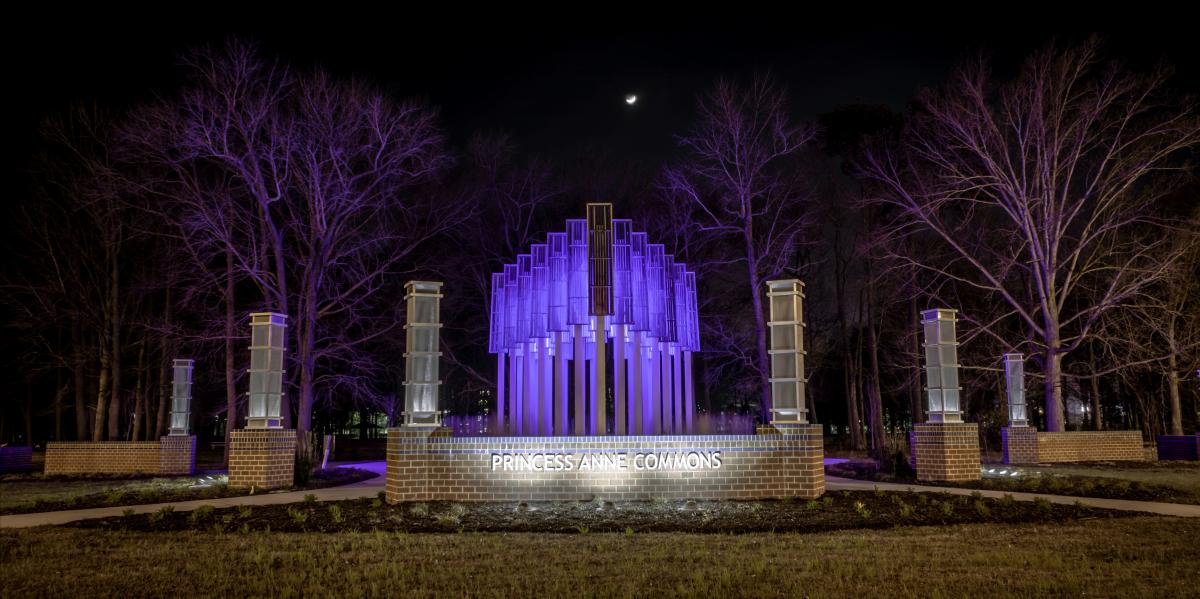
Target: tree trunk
99	432
307	315
81	420
230	387
874	395
29	411
915	397
1053	371
760	330
1172	376
853	420
60	392
139	394
167	346
114	306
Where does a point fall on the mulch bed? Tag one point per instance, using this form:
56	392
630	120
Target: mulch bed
835	511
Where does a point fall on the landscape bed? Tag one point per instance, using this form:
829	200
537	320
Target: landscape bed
1133	481
25	494
835	511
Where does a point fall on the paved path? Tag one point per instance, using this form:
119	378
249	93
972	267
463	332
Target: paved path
369	488
837	483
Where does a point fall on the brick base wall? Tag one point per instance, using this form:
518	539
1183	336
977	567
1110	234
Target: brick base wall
177	454
946	451
168	455
785	461
102	457
16	459
1082	446
262	458
1020	444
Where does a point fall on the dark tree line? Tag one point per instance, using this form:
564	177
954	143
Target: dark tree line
1058	211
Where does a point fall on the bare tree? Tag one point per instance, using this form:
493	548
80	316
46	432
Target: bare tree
741	185
1044	190
353	221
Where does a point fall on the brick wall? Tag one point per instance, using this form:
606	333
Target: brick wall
16	459
102	457
946	451
177	454
1020	444
1082	446
262	458
169	455
432	465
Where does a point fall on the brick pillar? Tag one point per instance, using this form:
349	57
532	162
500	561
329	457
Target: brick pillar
947	451
805	476
263	458
1020	444
408	462
177	454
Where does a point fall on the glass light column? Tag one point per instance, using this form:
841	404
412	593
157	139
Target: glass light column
181	397
941	365
267	340
1014	378
422	331
786	325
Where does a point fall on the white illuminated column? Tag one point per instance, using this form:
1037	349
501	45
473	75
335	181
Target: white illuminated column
941	365
1014	377
181	397
267	340
422	332
786	324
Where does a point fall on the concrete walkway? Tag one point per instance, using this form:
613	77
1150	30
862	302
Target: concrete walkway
837	483
369	488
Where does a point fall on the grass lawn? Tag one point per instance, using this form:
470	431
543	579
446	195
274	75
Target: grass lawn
1140	556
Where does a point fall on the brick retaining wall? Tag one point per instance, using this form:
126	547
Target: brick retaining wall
946	451
432	465
1081	446
262	458
102	457
169	455
177	455
16	459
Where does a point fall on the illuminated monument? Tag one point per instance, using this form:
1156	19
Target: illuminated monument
595	299
594	332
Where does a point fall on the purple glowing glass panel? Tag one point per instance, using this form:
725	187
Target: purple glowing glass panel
693	313
622	286
637	276
679	284
541	290
512	305
577	285
654	291
668	286
498	311
558	281
525	287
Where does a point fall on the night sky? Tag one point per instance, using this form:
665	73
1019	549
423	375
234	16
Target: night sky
559	94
